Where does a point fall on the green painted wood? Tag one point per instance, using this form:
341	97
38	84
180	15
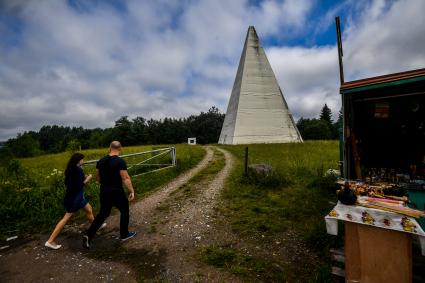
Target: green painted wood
381	85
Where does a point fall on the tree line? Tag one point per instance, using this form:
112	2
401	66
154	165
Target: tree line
206	127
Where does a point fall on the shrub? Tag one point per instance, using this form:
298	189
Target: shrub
73	146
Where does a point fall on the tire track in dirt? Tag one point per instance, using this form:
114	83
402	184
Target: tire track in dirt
139	209
180	231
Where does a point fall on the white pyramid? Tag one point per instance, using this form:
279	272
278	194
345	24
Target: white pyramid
257	111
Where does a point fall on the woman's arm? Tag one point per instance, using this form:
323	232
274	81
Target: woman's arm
87	178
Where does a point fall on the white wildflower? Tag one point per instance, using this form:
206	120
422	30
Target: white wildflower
332	172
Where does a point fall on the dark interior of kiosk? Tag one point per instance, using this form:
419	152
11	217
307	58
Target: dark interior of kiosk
389	125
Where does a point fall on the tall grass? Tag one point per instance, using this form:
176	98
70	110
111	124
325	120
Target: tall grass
32	189
299	202
296	198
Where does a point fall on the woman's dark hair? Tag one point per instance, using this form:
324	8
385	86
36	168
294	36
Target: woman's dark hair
72	164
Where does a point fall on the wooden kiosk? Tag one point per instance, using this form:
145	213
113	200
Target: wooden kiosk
384	130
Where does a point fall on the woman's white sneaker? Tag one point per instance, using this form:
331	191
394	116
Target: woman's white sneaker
52	245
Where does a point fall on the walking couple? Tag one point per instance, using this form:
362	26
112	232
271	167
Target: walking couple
111	173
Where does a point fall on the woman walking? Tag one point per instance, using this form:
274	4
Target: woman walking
74	197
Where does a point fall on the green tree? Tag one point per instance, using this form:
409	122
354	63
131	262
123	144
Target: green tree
326	115
317	130
123	131
301	124
73	146
52	138
6	155
96	138
206	127
24	145
337	126
314	129
153	131
139	130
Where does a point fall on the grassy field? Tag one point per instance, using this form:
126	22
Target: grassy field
31	189
293	193
293	200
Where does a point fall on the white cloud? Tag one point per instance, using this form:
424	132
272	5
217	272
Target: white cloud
163	58
308	78
386	39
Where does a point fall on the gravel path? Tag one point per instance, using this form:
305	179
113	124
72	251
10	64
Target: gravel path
141	208
182	223
171	225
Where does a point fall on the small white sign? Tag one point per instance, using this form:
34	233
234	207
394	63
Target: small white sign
191	141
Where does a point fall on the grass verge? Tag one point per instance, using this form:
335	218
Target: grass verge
32	189
293	202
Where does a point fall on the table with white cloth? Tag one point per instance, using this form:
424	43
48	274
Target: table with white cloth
378	243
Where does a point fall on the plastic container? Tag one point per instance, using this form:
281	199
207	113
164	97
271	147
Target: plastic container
417	201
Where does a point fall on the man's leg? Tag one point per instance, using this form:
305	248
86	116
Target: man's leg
106	201
121	202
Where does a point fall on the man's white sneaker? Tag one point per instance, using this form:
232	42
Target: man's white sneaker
52	245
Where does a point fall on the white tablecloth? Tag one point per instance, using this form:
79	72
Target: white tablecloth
374	217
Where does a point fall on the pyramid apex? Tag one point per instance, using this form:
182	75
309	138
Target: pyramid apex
257	111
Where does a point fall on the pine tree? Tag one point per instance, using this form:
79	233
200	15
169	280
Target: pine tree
326	115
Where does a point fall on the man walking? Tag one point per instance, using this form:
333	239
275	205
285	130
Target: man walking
111	173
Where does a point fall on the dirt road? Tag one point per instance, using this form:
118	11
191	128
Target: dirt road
174	223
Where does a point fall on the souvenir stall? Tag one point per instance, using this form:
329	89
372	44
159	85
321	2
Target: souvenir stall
381	199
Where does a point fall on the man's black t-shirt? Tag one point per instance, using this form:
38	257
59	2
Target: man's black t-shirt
109	170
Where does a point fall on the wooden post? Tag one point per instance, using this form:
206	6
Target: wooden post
246	161
340	54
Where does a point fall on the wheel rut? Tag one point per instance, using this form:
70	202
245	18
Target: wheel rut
180	224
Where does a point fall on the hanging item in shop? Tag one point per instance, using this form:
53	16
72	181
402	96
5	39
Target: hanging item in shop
382	110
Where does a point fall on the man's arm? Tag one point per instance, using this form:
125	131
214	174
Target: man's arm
97	175
127	182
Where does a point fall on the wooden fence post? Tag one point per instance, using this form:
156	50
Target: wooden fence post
246	161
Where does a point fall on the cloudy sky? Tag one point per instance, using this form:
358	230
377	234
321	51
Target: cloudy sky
87	63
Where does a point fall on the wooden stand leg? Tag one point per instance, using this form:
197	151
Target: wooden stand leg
352	253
